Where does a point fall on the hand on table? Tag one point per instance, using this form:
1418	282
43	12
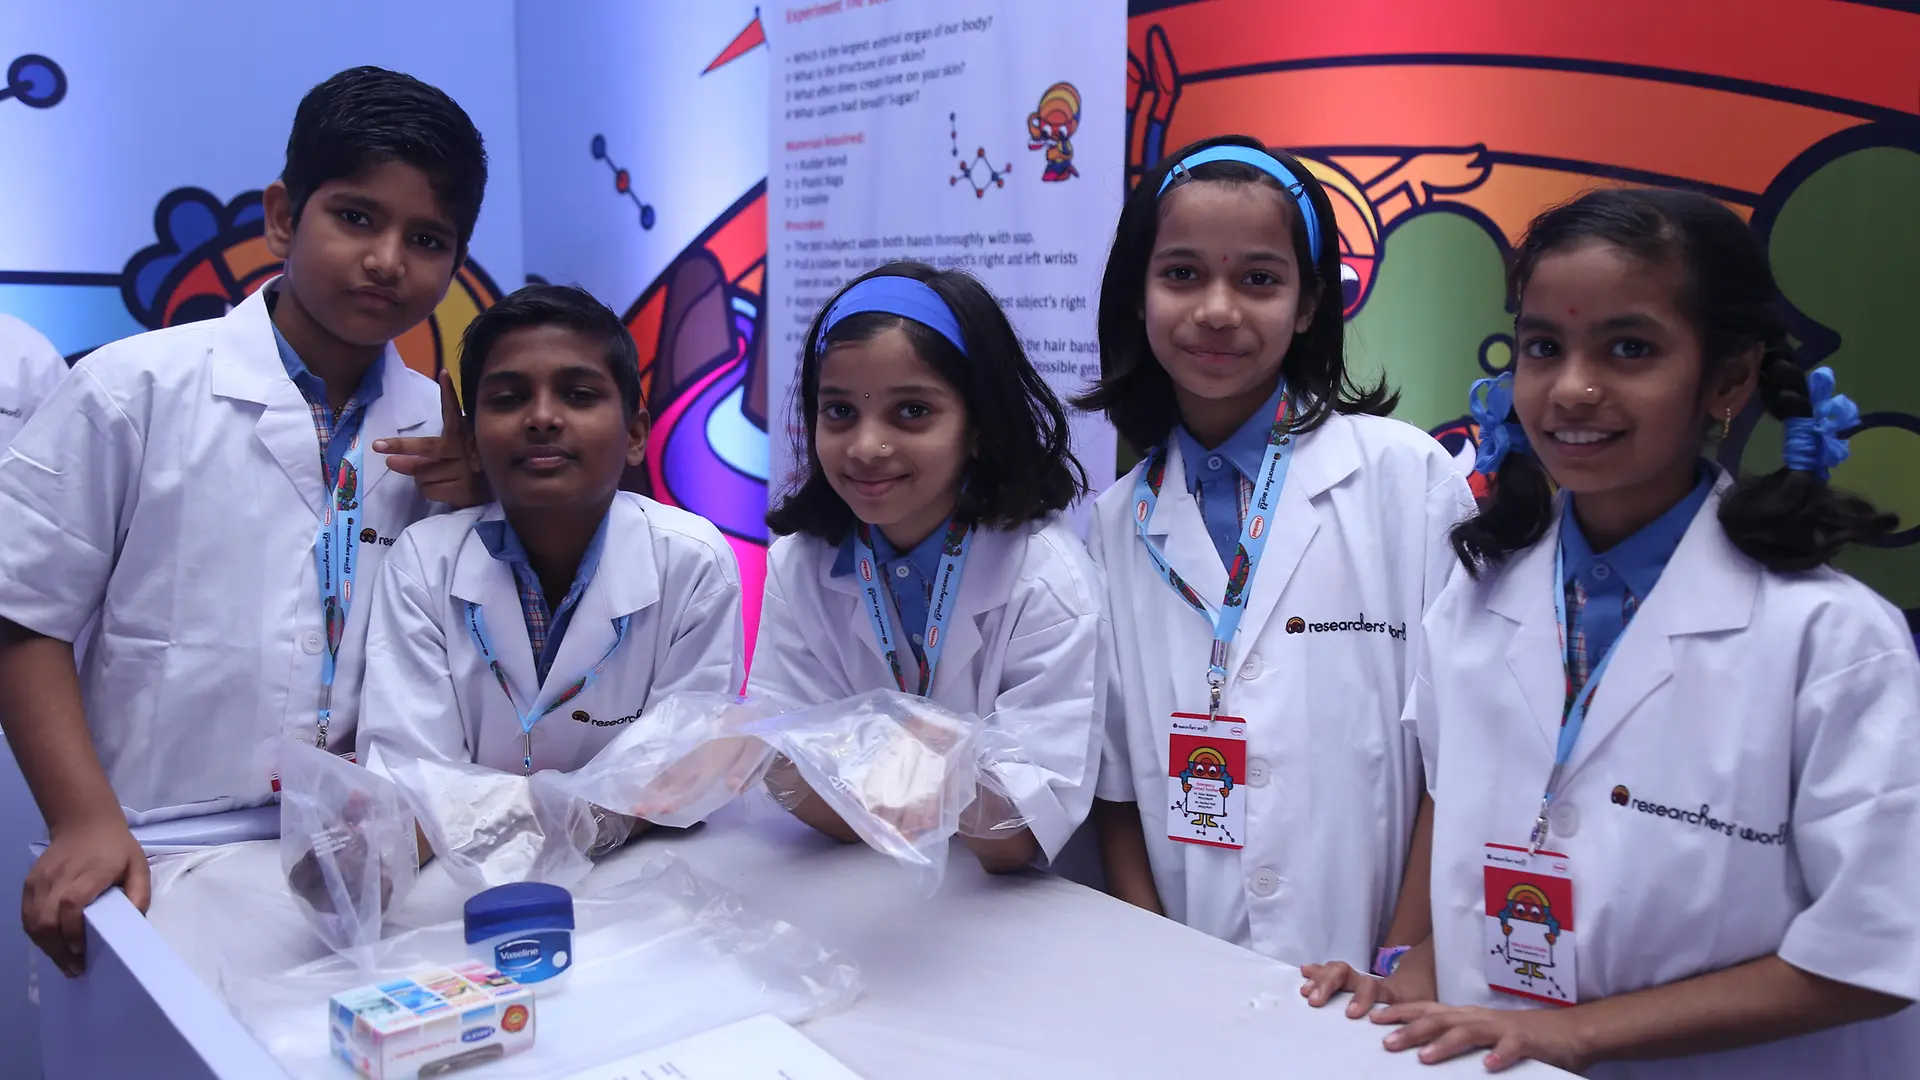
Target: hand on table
1444	1032
438	463
1409	983
81	863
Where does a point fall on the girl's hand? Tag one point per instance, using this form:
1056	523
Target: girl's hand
1403	986
1444	1032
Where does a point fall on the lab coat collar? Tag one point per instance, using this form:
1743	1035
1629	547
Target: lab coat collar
245	366
1711	587
626	582
994	560
1322	458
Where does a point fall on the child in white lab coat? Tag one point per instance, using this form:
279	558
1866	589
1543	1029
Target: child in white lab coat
1267	564
204	491
1724	859
527	633
936	455
30	367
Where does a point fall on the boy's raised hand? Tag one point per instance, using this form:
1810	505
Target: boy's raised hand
438	463
81	863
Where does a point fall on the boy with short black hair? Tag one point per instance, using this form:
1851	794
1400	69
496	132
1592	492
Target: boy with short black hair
204	489
526	634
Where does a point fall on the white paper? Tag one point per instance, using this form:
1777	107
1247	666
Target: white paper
926	130
761	1048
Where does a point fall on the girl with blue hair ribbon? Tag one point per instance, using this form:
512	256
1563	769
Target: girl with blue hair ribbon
1651	692
923	548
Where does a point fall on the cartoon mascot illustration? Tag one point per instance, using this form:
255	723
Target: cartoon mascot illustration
1529	931
1206	783
1051	126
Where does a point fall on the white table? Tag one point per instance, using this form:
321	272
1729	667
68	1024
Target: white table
1027	976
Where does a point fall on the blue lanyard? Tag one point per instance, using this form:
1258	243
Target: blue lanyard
477	628
1246	560
336	556
946	590
1575	715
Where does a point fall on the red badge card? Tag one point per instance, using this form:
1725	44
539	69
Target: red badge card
1530	929
1206	771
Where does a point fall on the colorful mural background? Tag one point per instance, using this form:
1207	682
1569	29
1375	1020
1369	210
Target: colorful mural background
671	110
1440	129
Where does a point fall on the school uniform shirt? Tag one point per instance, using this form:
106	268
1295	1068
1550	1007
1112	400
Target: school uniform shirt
1318	670
431	694
30	367
1746	783
172	484
1022	647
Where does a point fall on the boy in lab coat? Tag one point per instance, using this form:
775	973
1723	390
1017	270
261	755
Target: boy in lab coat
204	490
527	633
30	367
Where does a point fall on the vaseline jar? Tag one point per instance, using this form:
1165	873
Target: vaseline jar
525	932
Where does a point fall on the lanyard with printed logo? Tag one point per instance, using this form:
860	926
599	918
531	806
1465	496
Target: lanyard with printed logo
1575	714
1246	559
336	556
477	628
946	590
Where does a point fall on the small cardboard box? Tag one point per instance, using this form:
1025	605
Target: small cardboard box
431	1023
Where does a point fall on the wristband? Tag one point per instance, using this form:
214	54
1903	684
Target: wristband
1387	960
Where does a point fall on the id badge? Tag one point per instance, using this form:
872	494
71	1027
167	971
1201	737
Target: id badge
1530	936
1206	774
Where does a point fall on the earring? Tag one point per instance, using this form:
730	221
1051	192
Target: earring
1726	424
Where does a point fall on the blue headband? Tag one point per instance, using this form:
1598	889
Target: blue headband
1266	163
1814	443
902	296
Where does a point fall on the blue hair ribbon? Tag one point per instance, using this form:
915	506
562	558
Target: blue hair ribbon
1266	163
1814	443
906	297
1491	403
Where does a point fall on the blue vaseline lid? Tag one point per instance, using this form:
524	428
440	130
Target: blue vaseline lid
521	906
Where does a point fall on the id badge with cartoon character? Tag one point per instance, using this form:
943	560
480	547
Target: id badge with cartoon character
1206	768
1529	928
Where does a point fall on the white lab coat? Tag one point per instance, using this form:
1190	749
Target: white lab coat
172	484
30	367
1735	695
1332	784
429	693
1023	646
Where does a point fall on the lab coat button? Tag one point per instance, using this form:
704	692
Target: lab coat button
1257	772
1252	668
312	642
1564	819
1265	883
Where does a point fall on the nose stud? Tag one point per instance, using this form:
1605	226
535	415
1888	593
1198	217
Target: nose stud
1592	391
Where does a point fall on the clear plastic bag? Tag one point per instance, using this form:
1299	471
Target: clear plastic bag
347	845
682	760
900	771
659	957
492	827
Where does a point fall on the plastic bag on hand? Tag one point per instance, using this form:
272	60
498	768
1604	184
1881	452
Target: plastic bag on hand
679	762
899	770
492	828
346	844
995	813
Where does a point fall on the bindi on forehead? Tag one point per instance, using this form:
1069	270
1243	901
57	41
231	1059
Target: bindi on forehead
1573	311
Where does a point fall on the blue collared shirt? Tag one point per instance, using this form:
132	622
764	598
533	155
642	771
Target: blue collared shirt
545	628
1219	477
909	577
335	432
1605	588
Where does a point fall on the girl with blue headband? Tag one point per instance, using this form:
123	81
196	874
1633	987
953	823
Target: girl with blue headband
1649	708
923	550
1267	564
